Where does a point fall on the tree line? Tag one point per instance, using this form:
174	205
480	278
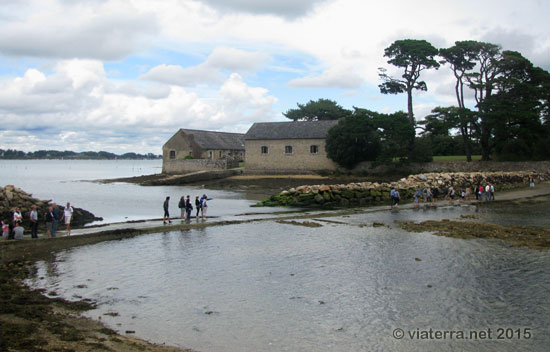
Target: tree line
509	119
55	154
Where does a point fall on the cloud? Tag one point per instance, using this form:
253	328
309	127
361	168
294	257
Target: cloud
209	72
283	8
525	43
335	77
91	29
78	107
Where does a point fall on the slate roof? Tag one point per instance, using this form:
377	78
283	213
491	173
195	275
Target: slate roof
216	140
290	130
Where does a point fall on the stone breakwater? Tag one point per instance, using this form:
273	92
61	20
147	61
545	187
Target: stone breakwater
12	197
365	193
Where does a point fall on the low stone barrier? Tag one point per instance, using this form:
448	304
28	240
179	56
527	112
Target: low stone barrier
366	193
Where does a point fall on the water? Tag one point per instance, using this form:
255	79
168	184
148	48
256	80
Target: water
72	181
268	286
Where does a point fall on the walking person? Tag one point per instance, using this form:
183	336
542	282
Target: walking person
480	193
33	217
204	205
392	197
531	181
188	208
396	196
468	193
67	215
435	194
165	206
452	194
198	205
49	221
487	192
492	192
181	205
417	196
55	219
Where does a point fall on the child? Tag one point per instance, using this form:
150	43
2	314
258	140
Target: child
5	229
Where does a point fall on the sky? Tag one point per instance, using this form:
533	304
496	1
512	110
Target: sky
125	75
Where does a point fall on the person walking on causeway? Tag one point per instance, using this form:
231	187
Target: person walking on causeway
188	208
165	206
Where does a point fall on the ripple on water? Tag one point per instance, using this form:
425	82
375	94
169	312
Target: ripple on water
268	286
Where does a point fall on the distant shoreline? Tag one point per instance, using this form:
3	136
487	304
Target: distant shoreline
114	159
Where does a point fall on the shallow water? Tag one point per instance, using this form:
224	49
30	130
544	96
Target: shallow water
267	286
72	181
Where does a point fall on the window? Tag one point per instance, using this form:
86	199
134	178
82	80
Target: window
264	149
314	149
288	149
211	154
172	154
220	154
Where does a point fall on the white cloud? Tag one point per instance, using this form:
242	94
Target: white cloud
335	77
99	30
78	106
208	72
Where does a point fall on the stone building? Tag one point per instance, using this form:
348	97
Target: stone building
288	146
193	150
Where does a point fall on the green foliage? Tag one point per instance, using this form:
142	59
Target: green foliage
413	56
353	140
395	134
187	157
515	111
322	109
422	151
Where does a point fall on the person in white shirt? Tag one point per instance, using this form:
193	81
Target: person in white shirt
68	214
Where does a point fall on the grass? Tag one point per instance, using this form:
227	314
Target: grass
454	158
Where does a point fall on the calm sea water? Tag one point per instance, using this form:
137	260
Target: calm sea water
73	181
345	286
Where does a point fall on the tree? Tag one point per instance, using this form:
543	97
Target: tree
352	140
482	79
460	58
445	118
395	133
414	56
517	108
322	109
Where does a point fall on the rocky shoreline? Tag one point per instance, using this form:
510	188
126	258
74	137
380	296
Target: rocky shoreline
372	193
12	197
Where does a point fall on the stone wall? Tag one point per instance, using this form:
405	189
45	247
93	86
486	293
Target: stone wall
176	167
301	158
365	193
474	166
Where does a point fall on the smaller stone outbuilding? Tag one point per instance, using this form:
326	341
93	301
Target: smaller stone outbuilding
297	146
182	152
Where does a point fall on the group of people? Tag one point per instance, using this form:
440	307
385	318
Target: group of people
13	229
186	207
431	195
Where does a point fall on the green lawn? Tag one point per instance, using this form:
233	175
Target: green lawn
454	158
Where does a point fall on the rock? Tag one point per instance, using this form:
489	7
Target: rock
319	198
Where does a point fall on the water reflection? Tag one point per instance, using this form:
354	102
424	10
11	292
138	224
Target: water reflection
268	286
